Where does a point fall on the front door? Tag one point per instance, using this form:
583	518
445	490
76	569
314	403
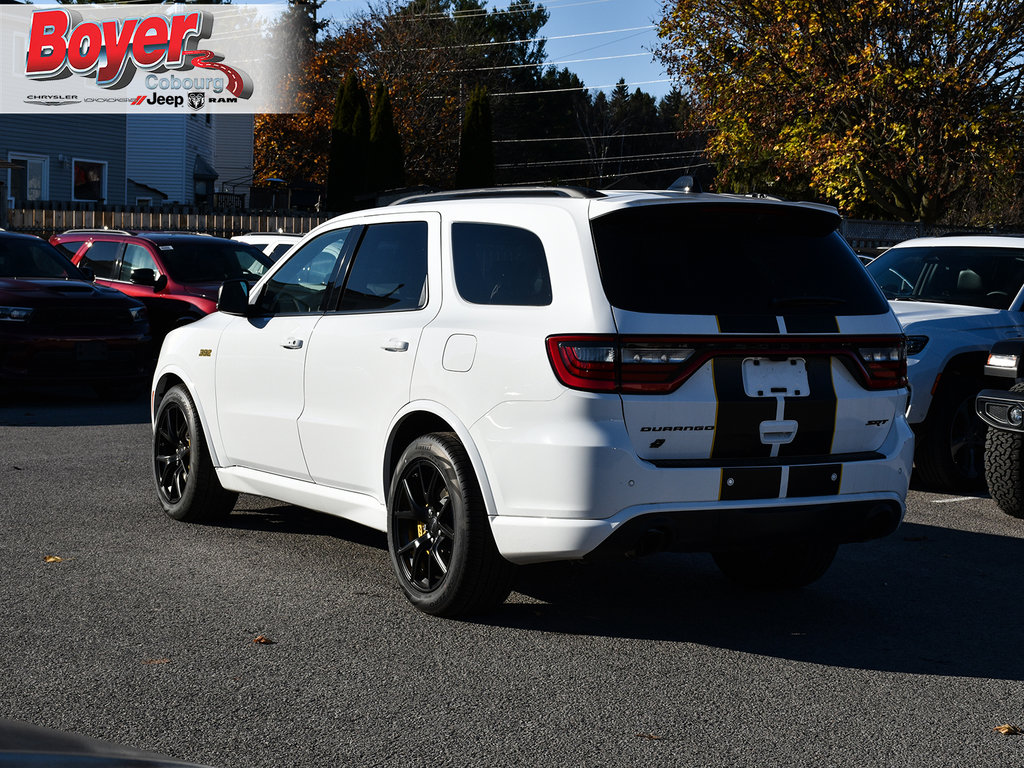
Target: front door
261	360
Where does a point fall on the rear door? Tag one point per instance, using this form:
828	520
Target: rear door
755	319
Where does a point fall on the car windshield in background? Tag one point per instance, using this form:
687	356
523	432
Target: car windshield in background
972	276
23	257
691	259
196	261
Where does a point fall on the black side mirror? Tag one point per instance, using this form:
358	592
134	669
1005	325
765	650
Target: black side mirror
88	273
143	276
233	298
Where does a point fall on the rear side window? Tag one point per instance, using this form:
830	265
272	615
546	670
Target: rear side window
739	259
101	258
498	264
390	269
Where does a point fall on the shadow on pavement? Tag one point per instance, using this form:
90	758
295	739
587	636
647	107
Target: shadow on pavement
68	406
253	513
927	600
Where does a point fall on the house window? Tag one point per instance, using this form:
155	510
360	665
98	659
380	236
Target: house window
89	178
29	179
143	201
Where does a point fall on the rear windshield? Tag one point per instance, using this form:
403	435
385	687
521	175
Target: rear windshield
975	277
738	259
196	261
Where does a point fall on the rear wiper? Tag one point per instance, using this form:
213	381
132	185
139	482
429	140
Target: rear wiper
808	301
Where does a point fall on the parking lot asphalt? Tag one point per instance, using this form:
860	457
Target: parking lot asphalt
143	632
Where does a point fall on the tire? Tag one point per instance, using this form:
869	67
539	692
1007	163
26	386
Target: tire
439	537
186	482
1004	467
950	447
777	568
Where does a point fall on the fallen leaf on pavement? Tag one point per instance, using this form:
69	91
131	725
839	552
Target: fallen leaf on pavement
263	640
157	661
1008	730
53	559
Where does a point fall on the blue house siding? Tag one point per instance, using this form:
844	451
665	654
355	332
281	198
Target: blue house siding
63	139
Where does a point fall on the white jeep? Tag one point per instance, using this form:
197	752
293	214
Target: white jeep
955	297
497	377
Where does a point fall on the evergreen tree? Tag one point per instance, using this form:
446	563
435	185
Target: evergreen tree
387	169
347	174
476	152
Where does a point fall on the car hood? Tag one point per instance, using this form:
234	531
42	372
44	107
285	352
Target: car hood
916	314
33	291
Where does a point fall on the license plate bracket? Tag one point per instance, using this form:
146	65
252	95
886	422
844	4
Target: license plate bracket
764	377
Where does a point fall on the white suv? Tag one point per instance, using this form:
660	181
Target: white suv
497	377
955	297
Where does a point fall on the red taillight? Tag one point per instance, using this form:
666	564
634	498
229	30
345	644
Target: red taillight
885	364
658	365
619	364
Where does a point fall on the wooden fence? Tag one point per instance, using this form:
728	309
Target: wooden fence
46	222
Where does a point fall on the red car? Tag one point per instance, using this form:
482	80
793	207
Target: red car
57	327
177	276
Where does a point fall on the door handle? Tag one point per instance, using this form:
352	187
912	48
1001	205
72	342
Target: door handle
293	343
396	345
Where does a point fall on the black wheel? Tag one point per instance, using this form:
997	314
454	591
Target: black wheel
1004	467
438	533
950	446
186	482
776	568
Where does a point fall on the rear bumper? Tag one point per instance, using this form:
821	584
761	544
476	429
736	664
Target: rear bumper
691	528
560	488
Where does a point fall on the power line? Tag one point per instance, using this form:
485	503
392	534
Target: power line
556	163
599	177
479	13
532	39
582	88
553	63
587	138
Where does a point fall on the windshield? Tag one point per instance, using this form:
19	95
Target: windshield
198	261
24	257
972	276
731	259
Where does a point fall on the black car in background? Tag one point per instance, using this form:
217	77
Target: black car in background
57	327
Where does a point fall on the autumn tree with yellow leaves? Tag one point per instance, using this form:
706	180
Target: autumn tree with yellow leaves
909	109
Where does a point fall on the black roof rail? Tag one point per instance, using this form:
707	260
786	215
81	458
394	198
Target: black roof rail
485	193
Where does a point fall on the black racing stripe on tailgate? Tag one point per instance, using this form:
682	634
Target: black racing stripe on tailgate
750	483
820	480
815	414
748	324
738	417
811	323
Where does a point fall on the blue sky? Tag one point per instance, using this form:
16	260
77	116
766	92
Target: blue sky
570	32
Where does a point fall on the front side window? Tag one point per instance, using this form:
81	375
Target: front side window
101	258
136	257
300	285
390	269
497	264
89	180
